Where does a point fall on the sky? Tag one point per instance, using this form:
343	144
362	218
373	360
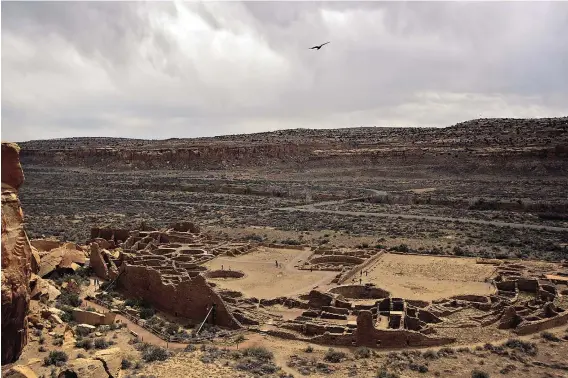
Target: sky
161	70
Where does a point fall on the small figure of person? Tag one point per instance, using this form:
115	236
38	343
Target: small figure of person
222	267
360	281
277	263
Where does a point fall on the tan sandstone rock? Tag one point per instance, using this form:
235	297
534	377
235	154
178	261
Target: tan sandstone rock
16	259
97	262
20	371
67	256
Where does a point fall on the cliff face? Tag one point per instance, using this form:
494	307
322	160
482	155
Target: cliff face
499	144
16	259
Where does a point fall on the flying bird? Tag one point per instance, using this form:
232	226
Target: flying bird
318	47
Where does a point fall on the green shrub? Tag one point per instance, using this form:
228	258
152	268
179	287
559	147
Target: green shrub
383	373
309	349
522	346
125	364
549	336
479	374
101	343
258	352
85	344
362	352
334	356
54	357
155	353
147	312
69	298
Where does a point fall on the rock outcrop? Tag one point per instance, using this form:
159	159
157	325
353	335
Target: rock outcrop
16	259
97	262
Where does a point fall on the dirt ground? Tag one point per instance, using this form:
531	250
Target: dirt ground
263	279
429	277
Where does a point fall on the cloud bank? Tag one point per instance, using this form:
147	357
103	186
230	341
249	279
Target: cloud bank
189	69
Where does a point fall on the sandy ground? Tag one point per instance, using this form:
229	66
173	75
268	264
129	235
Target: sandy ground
429	277
263	279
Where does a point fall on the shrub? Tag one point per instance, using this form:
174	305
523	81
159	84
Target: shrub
58	342
549	336
69	298
101	343
85	344
155	353
172	328
334	356
362	352
383	373
147	312
479	374
419	368
309	349
430	355
41	339
523	346
54	357
190	348
41	349
125	364
258	352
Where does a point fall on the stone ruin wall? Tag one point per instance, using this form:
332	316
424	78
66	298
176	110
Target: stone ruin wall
191	298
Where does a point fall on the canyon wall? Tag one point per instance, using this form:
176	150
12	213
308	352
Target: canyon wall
16	259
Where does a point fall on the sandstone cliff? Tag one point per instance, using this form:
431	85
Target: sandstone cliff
483	145
16	259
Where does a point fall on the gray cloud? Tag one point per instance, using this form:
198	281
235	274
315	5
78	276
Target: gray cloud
185	69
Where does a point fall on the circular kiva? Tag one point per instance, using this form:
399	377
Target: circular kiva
224	274
360	292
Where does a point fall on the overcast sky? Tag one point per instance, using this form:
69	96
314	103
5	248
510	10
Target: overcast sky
187	69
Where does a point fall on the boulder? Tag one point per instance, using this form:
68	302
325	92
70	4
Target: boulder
19	371
105	363
16	259
68	256
85	329
41	288
45	245
84	368
112	357
36	260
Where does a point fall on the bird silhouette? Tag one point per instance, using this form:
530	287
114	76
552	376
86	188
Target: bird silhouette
318	47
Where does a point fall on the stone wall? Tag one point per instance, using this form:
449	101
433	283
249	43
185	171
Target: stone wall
191	298
527	327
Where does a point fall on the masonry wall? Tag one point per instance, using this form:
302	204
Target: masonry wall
526	328
190	298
